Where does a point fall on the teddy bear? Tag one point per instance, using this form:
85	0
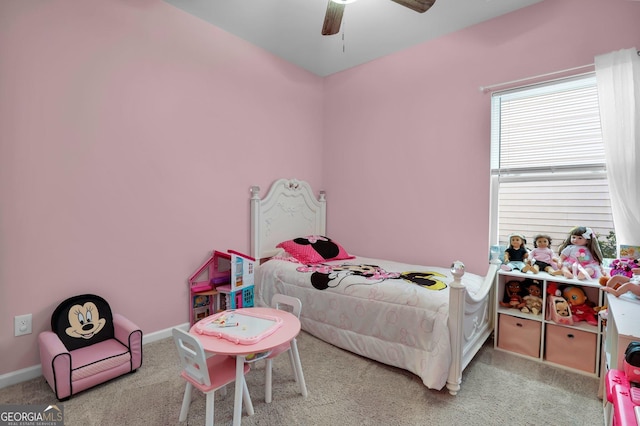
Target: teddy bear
581	308
558	309
533	300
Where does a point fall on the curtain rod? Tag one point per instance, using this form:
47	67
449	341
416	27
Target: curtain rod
489	88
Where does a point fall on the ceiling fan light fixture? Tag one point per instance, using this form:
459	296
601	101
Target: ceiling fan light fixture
344	1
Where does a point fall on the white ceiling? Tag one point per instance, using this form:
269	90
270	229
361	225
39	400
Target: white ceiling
370	29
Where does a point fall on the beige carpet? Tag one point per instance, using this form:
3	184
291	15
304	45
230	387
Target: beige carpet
344	389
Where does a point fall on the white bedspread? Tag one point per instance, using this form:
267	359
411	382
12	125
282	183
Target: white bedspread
392	321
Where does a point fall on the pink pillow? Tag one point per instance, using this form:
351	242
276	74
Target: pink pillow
314	249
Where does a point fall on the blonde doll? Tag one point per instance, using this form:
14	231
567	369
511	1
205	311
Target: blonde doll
580	255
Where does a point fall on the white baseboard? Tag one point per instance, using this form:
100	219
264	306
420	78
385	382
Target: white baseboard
35	371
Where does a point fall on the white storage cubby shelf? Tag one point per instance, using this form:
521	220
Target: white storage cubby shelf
623	327
573	347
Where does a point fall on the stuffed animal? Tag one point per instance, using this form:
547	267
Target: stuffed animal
562	308
624	266
533	301
558	309
581	308
513	295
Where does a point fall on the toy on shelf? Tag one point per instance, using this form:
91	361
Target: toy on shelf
580	255
621	284
238	291
624	274
513	295
624	266
533	300
542	258
581	308
558	309
629	252
223	281
516	254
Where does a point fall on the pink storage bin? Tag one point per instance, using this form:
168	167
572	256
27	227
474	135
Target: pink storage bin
519	335
571	347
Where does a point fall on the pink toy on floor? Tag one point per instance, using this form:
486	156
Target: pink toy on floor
624	398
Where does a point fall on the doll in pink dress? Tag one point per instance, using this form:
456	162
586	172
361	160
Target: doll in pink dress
580	255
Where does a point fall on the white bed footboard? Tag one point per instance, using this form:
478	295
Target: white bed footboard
470	321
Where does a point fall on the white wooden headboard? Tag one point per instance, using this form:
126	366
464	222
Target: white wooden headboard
289	210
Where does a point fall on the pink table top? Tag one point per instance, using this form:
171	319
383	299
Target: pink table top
286	332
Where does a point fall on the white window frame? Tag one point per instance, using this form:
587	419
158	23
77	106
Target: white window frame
515	170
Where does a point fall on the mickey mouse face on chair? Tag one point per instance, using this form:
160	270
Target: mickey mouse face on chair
85	321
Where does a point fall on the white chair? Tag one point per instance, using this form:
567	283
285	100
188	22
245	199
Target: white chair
293	305
206	374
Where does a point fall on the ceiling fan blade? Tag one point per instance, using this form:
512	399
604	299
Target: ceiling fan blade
419	6
333	18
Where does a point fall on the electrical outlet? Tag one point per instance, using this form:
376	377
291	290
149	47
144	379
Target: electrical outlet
22	325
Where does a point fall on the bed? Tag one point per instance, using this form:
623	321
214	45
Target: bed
428	320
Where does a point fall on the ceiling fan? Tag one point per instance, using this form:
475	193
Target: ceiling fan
335	9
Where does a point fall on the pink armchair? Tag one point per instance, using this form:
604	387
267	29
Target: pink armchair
88	345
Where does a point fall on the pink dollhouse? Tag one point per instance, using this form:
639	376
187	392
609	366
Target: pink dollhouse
224	281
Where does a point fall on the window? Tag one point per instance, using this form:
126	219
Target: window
547	162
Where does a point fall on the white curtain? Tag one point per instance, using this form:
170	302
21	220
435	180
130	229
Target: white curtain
618	81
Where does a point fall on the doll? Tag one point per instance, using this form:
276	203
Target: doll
533	300
620	284
581	308
516	254
580	255
542	257
512	295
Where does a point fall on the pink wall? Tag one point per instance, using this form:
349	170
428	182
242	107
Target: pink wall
410	159
130	133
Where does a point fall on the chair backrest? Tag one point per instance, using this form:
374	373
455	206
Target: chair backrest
287	303
83	320
192	356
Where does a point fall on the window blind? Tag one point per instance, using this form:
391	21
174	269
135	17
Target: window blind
550	127
547	160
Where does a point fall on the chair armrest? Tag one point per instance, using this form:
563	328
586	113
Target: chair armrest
55	361
129	335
